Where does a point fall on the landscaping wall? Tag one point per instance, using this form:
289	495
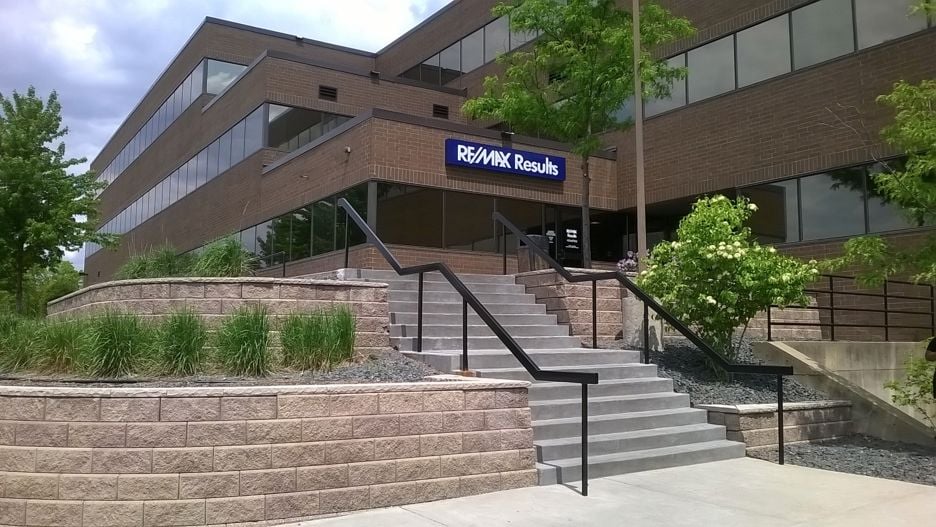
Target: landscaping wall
255	455
756	424
215	298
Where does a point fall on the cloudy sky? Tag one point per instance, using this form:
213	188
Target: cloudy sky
102	55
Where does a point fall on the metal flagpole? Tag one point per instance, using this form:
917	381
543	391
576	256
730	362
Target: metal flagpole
639	147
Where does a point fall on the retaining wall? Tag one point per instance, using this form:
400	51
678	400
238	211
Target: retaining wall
100	457
756	424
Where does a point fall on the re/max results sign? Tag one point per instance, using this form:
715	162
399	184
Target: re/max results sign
504	160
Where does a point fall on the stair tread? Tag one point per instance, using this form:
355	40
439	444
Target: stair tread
638	380
576	367
633	434
611	417
607	398
505	352
646	453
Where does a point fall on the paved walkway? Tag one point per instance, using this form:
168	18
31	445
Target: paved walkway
740	492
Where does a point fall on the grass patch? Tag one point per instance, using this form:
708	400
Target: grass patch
180	343
17	344
318	340
224	257
118	343
62	344
244	342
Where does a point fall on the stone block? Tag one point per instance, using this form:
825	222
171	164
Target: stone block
130	409
256	291
443	401
512	398
229	307
190	409
400	403
323	477
158	291
518	479
103	514
352	404
216	433
65	460
53	513
155	435
375	426
504	461
436	489
464	421
242	458
17	459
72	409
393	494
270	481
292	505
294	406
492	440
30	486
479	484
325	292
460	465
371	473
396	447
298	454
177	512
233	510
343	500
527	458
89	487
480	399
148	487
166	460
7	433
507	418
181	290
210	485
12	512
418	468
327	429
122	461
204	306
422	423
440	444
97	435
41	434
222	290
368	294
297	292
127	292
248	408
274	431
349	451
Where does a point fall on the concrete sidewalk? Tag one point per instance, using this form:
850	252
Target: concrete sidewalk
740	492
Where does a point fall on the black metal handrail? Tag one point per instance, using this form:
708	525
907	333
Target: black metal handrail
469	299
648	303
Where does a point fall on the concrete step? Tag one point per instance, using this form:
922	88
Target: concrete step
446	287
556	359
444	296
566	470
604	371
615	423
380	274
483	343
478	330
604	444
545	391
397	306
615	404
455	319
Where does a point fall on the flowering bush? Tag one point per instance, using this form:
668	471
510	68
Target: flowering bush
715	277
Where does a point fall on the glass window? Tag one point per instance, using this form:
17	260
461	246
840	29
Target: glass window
526	215
174	187
413	73
833	204
300	238
777	217
711	69
450	62
429	70
882	20
177	97
357	197
248	239
626	112
496	39
221	74
323	226
186	92
213	150
198	80
224	152
264	237
472	51
201	169
882	214
237	143
764	51
166	200
291	128
396	222
822	31
468	223
281	238
677	96
253	138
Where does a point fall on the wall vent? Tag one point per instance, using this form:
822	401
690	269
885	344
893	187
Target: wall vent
328	93
440	111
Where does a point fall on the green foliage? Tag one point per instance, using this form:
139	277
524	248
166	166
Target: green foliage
243	342
40	285
44	210
118	343
224	257
180	343
911	187
916	388
715	277
61	345
925	7
318	340
159	262
17	343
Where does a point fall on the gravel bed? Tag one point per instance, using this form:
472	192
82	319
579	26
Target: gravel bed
385	367
864	455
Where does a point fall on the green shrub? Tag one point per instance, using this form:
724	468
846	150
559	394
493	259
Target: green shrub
118	344
318	340
180	343
243	342
61	344
17	344
160	262
916	388
224	257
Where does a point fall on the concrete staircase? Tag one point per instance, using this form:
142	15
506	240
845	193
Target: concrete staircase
636	421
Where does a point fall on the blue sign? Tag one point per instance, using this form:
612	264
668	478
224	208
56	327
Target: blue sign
505	160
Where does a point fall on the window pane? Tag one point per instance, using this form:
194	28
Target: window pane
882	214
264	237
248	239
626	112
198	80
224	154
281	237
882	20
253	139
177	97
237	143
429	70
186	92
764	51
777	216
833	204
174	187
201	169
526	215
450	62
711	69
291	128
496	38
468	223
357	197
300	244
220	74
396	222
323	227
472	51
822	31
213	150
677	96
413	73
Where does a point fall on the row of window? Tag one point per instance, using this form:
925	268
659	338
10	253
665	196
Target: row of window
828	205
210	76
469	53
811	34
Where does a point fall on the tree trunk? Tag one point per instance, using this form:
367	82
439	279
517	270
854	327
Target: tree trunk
586	215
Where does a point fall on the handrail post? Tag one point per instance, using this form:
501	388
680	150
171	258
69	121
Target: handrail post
780	418
464	359
284	266
419	315
347	249
645	333
832	307
932	310
769	328
595	314
504	238
886	315
584	439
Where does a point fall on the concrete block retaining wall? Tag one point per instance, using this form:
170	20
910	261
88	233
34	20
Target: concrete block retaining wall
756	424
215	298
254	455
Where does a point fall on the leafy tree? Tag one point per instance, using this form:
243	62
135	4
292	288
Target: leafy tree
44	211
911	186
42	284
717	278
916	389
574	78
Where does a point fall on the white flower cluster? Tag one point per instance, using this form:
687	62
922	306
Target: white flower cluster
732	251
